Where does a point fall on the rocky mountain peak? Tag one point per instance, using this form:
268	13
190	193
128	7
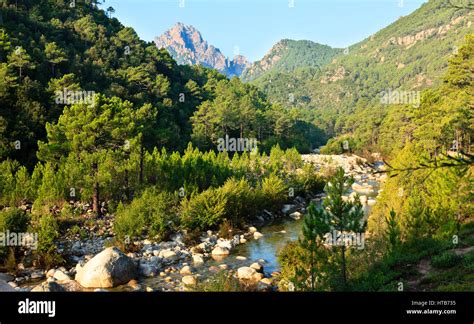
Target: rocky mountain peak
187	46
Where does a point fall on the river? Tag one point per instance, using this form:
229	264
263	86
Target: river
276	234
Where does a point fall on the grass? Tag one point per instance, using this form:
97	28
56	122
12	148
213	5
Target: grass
450	272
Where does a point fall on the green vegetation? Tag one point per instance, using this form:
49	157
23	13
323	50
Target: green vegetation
288	55
223	282
316	258
344	97
421	232
12	220
445	260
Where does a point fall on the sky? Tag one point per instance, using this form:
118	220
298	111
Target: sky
252	27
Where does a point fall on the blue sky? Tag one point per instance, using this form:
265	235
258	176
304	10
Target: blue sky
253	26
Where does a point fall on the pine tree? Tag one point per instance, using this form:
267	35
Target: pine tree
392	231
20	59
90	135
335	216
54	55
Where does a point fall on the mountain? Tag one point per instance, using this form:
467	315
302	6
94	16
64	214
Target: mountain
344	97
186	45
288	55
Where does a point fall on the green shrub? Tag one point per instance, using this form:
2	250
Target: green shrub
308	180
153	211
273	193
48	232
240	200
128	223
77	230
204	210
336	145
221	282
445	260
14	220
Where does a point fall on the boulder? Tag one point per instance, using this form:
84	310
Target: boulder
189	280
186	270
248	273
220	251
257	235
107	269
50	273
146	269
198	259
257	266
263	285
252	229
296	215
71	286
48	287
61	276
169	255
225	244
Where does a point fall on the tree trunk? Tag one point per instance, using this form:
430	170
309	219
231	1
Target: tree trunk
95	196
312	266
344	275
140	173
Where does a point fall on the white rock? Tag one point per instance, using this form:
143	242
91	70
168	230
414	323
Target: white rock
220	251
296	215
60	276
226	244
48	287
107	269
248	273
186	270
189	280
257	235
169	255
239	257
258	267
50	273
198	259
252	229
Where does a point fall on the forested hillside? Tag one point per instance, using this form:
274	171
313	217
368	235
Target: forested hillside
49	49
288	55
345	98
